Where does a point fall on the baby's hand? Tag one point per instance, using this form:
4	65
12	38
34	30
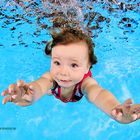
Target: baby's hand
20	93
126	112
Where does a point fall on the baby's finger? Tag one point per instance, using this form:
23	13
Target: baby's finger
118	109
128	102
114	113
7	99
20	83
28	98
136	110
134	116
12	88
119	116
138	116
31	87
136	113
5	92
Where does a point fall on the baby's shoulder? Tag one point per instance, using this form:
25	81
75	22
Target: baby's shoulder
87	82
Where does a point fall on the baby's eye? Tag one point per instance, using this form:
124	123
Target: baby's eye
56	63
74	65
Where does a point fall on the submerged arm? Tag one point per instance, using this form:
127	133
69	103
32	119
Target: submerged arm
24	94
42	85
100	97
106	101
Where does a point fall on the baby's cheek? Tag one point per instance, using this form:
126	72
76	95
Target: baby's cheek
78	76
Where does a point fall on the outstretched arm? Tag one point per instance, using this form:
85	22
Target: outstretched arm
24	94
106	101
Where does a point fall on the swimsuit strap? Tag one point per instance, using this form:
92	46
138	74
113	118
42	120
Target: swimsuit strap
89	74
73	98
78	87
53	89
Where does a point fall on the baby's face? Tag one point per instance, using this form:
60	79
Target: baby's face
69	63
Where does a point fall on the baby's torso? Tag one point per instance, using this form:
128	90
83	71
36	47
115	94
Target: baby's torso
72	94
66	93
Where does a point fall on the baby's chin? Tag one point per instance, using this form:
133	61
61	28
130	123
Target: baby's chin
65	84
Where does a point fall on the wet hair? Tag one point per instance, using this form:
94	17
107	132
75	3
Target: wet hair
70	35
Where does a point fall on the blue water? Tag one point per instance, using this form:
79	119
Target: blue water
118	70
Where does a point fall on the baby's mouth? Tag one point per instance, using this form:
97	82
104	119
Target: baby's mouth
65	81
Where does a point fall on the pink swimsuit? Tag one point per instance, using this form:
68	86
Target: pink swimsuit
77	93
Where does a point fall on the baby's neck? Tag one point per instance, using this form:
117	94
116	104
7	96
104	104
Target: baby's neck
67	88
66	92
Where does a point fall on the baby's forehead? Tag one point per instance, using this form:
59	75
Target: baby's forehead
69	54
72	49
69	57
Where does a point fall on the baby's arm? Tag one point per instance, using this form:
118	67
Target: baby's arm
42	85
106	101
99	96
24	94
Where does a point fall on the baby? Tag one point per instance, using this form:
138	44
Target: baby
70	78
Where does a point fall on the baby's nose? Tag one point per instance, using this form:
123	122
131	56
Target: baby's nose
64	71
